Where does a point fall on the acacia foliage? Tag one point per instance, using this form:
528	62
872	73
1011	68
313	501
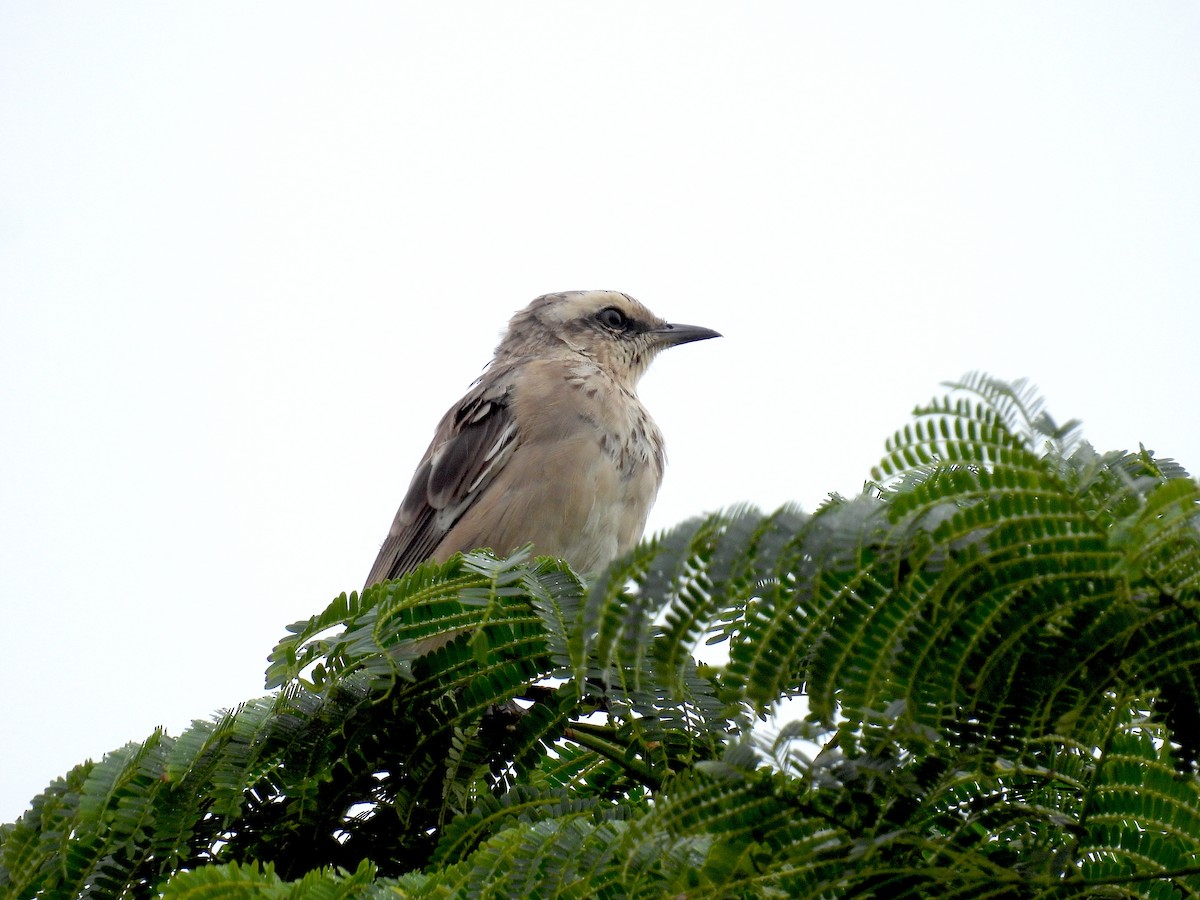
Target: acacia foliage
999	644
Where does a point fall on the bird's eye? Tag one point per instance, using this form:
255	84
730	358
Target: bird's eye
611	317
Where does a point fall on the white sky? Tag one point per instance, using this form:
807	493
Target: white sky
250	253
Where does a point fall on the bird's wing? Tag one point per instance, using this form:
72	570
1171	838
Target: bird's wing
473	442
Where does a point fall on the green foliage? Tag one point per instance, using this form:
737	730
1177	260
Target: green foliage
999	643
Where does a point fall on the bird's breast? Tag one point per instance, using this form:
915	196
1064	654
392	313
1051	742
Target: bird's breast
580	402
600	461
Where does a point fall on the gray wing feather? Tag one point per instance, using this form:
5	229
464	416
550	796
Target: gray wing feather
472	443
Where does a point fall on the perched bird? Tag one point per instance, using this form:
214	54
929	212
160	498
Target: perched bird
550	446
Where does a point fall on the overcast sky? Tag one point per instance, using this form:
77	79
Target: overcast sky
250	253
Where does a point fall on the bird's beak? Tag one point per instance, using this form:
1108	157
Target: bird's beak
674	334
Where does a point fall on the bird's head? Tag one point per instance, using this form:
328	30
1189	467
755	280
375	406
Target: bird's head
610	328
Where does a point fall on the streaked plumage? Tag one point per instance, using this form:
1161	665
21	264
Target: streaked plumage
550	445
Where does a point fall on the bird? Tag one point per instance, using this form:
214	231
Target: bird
550	446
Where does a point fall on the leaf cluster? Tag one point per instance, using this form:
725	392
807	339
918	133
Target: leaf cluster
998	645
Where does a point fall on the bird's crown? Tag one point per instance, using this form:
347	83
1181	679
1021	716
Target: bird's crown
608	328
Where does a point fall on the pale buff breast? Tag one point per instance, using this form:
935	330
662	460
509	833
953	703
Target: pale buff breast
589	463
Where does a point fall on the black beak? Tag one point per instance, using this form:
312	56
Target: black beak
674	334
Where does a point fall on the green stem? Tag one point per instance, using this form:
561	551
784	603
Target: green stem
584	737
